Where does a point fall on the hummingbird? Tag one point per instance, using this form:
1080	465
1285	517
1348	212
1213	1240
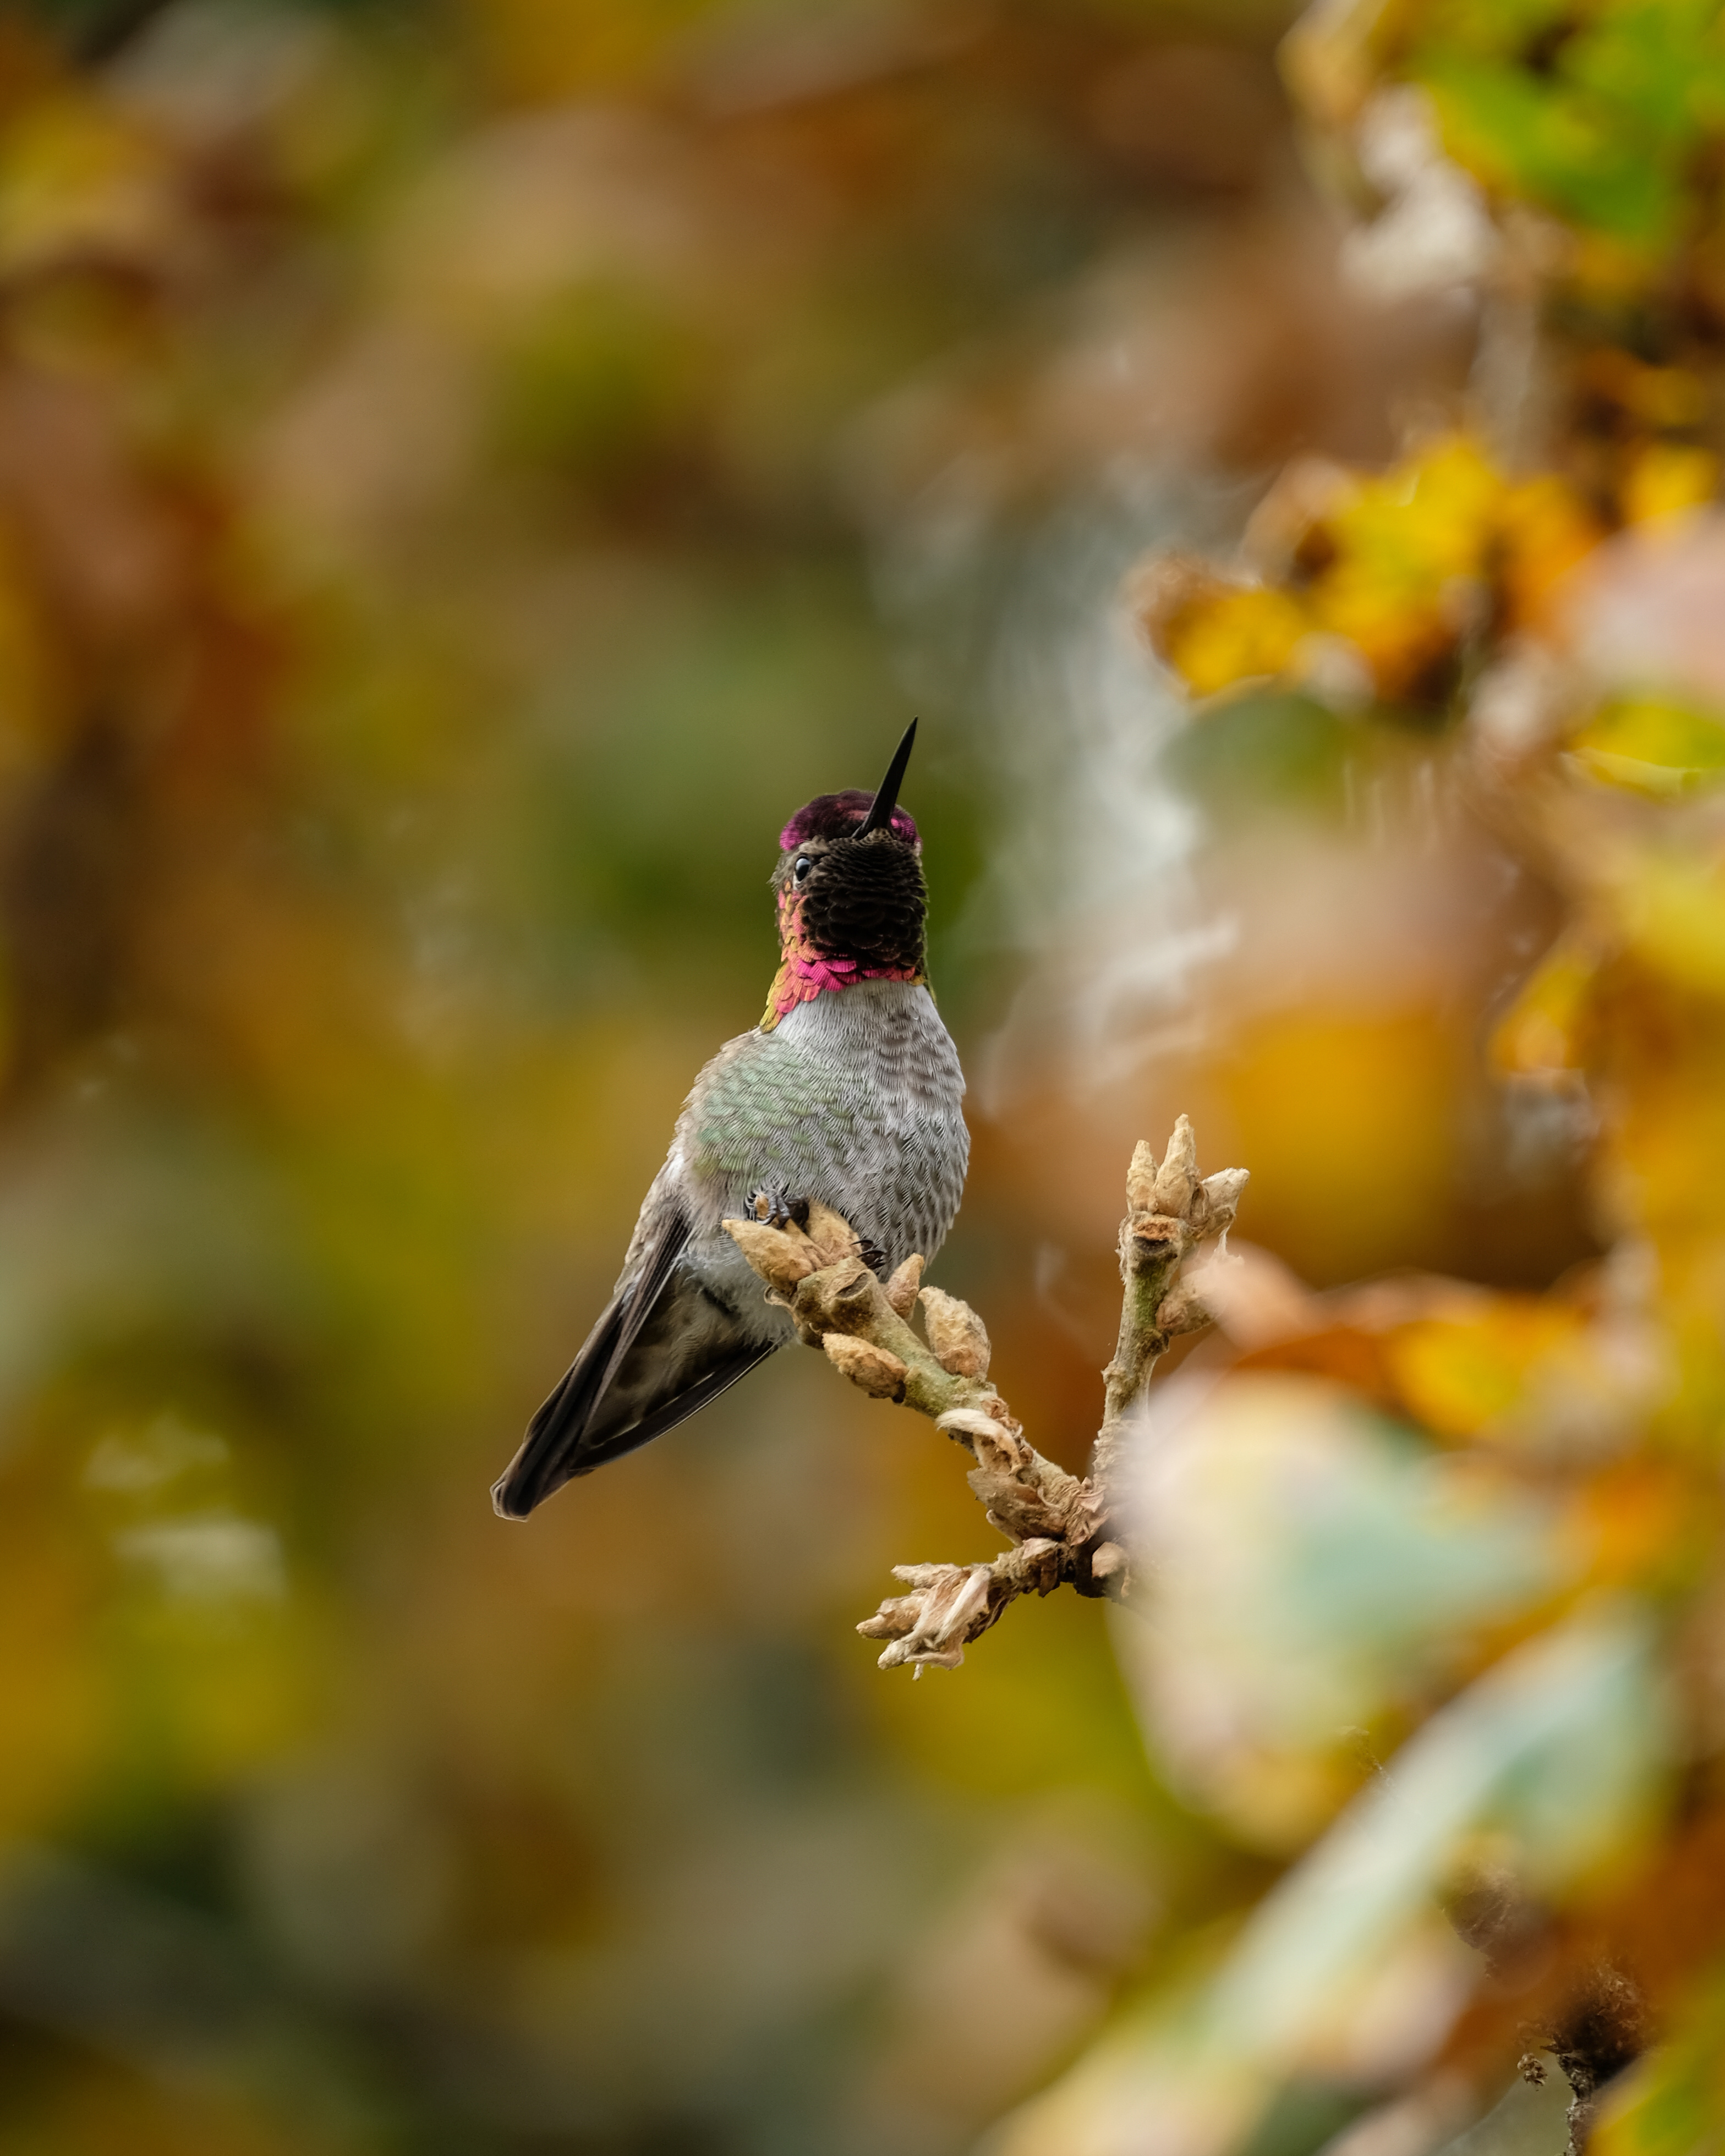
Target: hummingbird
849	1091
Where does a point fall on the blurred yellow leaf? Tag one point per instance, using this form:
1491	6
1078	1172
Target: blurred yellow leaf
1236	636
1411	547
1341	1110
1658	397
1672	905
1463	1376
1541	1033
1652	745
1664	479
1545	530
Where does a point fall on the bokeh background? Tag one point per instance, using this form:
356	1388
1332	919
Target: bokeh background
468	470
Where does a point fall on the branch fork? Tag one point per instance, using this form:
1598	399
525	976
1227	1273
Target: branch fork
1058	1526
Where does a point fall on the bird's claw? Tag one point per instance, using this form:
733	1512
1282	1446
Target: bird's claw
777	1209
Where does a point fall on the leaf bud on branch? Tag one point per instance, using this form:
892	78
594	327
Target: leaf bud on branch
1059	1526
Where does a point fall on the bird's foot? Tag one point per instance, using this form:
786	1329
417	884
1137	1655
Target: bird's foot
777	1209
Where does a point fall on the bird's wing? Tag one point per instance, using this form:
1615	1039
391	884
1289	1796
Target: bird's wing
662	1349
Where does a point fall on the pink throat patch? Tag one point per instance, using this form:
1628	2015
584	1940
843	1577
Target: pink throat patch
803	974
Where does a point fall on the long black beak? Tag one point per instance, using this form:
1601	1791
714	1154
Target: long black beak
886	799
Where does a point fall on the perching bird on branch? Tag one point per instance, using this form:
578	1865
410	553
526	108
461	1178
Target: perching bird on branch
847	1091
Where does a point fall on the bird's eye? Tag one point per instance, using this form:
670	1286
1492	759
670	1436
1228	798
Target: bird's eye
802	869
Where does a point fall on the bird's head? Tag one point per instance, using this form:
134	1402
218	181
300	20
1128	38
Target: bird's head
852	903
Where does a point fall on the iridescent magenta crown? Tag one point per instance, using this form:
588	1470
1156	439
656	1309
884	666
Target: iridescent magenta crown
837	815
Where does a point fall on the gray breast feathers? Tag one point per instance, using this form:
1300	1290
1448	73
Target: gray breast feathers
855	1099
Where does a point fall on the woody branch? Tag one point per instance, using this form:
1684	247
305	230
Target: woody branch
1060	1528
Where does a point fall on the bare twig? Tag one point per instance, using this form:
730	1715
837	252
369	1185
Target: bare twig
1059	1526
1170	1215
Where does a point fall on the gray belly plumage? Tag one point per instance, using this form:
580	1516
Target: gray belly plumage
855	1099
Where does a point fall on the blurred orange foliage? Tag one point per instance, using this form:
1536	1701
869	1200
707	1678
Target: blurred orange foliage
463	477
